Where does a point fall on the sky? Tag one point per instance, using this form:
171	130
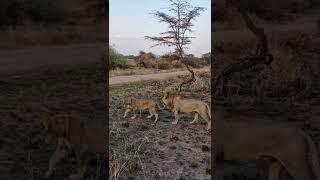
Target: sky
131	20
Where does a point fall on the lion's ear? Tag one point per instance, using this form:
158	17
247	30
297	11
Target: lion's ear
166	95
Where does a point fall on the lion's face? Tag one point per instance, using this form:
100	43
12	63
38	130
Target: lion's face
127	102
167	99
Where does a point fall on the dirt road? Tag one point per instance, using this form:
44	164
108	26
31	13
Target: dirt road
22	60
117	80
17	62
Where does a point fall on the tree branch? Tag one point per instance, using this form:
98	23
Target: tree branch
263	56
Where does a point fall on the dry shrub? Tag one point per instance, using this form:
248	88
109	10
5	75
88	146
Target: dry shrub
129	157
149	60
286	76
197	63
146	60
202	83
167	61
164	64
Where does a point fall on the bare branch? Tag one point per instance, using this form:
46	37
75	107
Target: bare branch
263	56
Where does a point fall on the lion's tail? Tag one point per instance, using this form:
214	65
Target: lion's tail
208	110
314	156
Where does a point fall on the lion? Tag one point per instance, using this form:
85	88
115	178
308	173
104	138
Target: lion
180	104
74	135
239	139
134	104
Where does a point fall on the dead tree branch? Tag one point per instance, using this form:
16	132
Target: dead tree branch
262	56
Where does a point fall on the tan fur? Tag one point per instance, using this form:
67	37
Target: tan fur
248	140
74	135
134	104
180	104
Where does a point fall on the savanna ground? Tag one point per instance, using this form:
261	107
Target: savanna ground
287	90
163	151
75	91
38	87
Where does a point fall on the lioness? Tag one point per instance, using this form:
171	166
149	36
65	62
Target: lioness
134	104
179	104
245	140
74	135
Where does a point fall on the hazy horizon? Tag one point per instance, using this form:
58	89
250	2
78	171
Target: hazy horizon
131	20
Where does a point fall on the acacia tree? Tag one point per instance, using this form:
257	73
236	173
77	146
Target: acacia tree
179	20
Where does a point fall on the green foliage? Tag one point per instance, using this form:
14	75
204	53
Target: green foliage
116	60
194	164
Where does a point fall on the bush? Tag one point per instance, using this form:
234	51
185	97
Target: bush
46	11
14	12
116	60
164	65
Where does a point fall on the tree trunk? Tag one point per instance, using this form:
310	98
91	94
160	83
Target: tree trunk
192	78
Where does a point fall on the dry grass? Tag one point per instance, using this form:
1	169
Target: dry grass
289	74
126	158
35	35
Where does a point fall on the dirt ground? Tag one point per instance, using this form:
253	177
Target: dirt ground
76	92
119	80
163	151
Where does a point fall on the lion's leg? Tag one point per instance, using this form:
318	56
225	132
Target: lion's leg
196	117
274	171
126	113
299	169
59	154
176	117
79	175
82	167
208	126
152	112
204	115
294	158
99	164
135	114
157	116
150	116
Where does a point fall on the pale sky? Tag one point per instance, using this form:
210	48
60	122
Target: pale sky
131	20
